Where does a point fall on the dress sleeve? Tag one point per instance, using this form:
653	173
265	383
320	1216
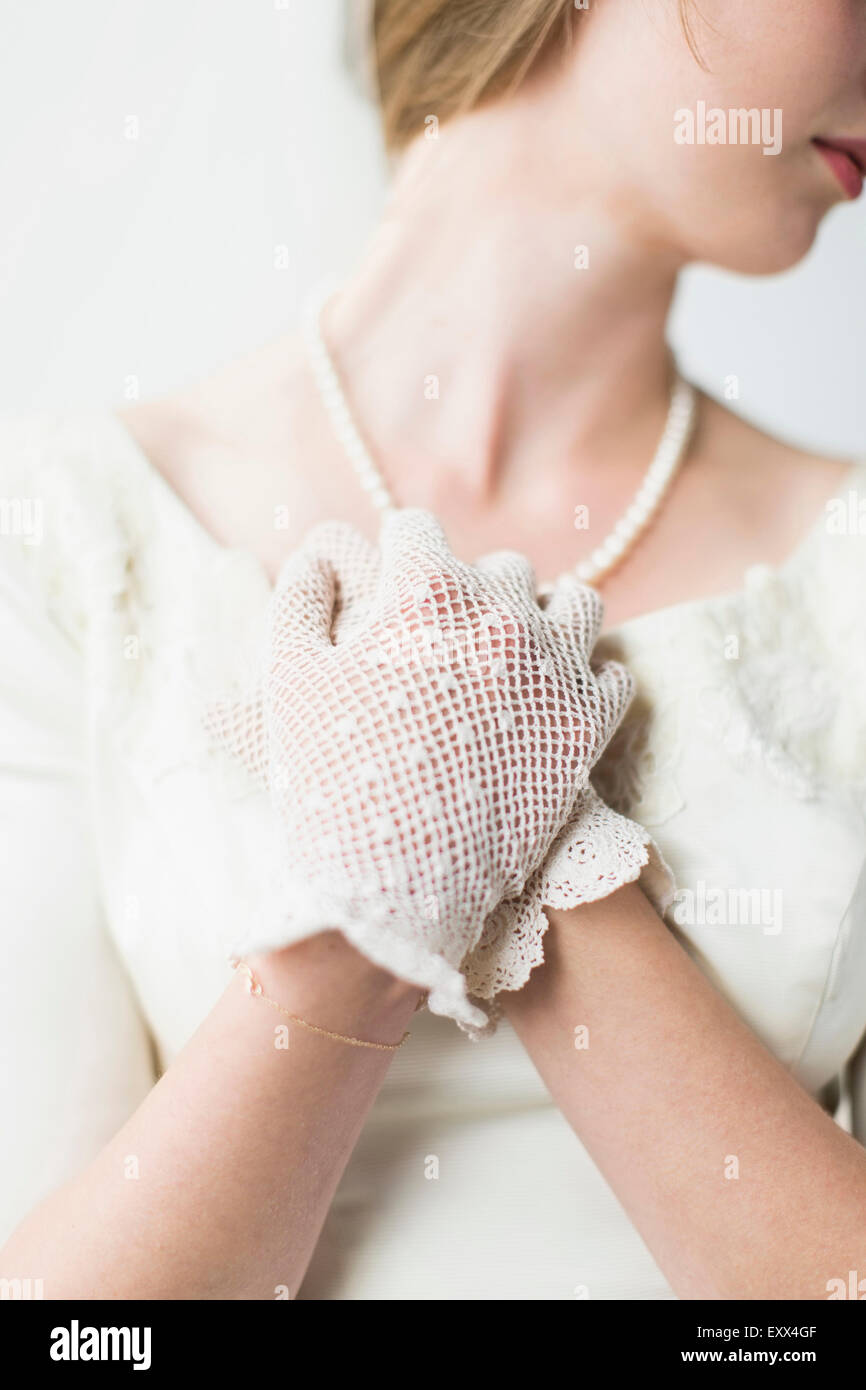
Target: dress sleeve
75	1055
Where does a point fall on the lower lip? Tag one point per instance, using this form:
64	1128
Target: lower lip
844	168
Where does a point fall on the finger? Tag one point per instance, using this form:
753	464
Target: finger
302	605
510	572
615	688
420	575
355	560
578	610
414	549
356	564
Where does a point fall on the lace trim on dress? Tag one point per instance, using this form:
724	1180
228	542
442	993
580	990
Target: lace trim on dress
781	698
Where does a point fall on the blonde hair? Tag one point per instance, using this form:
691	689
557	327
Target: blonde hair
445	57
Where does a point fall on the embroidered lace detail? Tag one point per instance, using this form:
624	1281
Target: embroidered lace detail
778	696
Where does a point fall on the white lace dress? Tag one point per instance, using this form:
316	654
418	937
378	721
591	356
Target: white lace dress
129	852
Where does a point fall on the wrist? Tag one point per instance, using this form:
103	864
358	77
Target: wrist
590	949
325	980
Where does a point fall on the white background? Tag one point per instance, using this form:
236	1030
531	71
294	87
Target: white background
154	257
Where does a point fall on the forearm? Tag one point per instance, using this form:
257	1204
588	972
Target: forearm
738	1181
218	1185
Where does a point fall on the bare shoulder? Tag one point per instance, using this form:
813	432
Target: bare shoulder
230	413
166	431
244	450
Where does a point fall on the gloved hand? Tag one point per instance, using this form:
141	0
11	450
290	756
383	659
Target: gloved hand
426	732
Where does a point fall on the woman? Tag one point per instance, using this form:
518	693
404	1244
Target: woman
651	1118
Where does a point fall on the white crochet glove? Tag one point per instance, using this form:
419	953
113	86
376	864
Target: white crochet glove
423	762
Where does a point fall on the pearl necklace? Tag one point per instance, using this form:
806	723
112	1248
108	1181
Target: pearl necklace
622	538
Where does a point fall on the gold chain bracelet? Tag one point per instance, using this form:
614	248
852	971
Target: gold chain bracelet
254	987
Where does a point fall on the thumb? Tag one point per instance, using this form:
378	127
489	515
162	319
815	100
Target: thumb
302	604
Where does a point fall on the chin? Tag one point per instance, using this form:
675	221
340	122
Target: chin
766	247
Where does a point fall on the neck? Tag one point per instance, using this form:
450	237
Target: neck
484	355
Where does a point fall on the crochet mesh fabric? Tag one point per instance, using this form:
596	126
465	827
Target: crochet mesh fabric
426	732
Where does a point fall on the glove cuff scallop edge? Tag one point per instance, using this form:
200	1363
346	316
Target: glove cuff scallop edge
370	932
597	852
